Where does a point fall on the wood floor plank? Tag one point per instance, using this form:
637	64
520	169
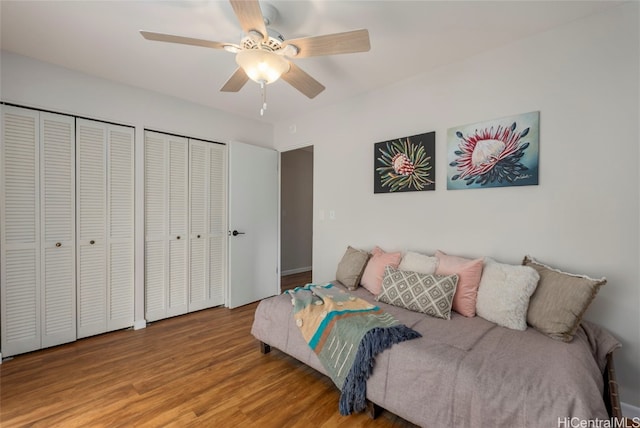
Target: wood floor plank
195	370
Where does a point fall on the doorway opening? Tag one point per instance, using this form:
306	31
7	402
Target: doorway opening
296	217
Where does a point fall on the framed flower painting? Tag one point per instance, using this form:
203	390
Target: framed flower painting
496	153
405	165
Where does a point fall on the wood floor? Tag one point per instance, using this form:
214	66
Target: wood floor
202	369
295	280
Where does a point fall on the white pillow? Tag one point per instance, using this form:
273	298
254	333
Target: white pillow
416	262
504	293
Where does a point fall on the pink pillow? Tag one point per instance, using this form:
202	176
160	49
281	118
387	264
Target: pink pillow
469	273
372	276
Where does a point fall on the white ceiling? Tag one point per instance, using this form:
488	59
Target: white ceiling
407	38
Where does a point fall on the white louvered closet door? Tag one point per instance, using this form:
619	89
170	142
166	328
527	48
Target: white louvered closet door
57	213
37	252
120	221
178	237
217	228
208	226
105	227
155	224
198	212
91	147
166	225
20	233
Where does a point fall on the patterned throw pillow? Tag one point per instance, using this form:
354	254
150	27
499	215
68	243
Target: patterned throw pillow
427	293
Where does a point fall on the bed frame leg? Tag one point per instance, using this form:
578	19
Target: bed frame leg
264	348
372	410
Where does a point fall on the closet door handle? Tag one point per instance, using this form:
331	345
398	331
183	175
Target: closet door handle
58	244
92	242
198	236
178	237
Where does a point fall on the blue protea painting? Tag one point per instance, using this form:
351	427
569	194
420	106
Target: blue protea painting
494	154
405	164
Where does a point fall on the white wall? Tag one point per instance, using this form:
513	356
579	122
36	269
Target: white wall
32	83
583	216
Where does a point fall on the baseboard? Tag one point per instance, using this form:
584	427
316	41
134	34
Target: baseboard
140	324
629	411
297	270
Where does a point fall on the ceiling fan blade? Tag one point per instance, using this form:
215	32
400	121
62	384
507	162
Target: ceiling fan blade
331	44
162	37
236	81
302	81
250	16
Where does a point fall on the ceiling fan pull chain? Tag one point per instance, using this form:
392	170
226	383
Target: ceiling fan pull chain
263	90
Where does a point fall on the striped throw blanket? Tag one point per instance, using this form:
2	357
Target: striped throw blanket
346	333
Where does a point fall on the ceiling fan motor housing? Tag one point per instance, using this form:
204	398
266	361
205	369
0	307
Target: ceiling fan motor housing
269	13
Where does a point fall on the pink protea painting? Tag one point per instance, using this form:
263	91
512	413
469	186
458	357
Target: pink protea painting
405	164
494	154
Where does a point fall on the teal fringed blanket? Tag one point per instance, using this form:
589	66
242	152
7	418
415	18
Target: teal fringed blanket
346	333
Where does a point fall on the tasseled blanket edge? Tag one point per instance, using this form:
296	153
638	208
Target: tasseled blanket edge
354	391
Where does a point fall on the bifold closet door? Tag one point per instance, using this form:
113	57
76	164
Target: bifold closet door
166	225
185	225
57	214
120	231
105	227
218	229
207	185
37	232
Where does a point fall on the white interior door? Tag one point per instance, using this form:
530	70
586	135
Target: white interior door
253	215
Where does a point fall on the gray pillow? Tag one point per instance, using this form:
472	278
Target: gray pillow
351	267
560	300
419	292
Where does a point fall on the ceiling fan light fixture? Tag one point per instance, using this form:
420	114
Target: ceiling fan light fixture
262	66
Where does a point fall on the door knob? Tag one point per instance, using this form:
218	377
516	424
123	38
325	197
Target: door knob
236	233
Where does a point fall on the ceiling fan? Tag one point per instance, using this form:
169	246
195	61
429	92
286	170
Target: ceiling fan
263	54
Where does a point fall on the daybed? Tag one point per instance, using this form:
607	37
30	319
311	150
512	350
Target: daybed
471	372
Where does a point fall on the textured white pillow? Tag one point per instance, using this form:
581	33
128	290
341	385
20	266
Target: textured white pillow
504	293
416	262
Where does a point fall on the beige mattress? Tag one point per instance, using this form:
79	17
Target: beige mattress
468	371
